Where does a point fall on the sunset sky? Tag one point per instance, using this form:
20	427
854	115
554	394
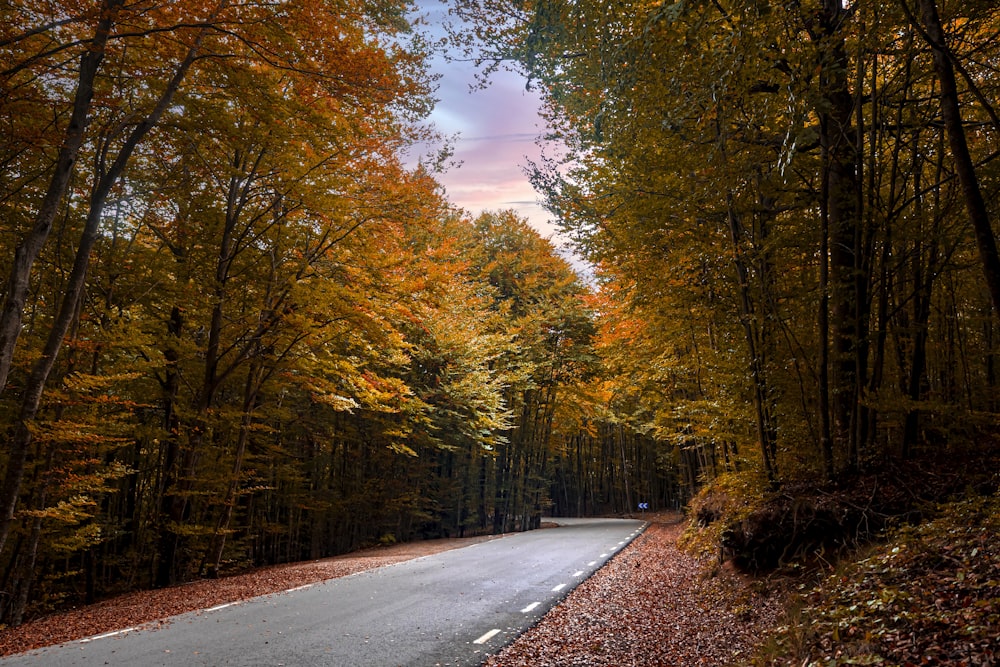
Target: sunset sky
497	128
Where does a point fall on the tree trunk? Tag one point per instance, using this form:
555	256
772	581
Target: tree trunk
823	330
217	546
845	262
957	141
761	403
27	252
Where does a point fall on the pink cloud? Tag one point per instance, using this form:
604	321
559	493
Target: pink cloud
495	131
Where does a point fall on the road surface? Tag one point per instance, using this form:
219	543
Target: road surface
452	608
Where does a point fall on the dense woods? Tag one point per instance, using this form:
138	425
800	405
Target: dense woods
239	329
791	210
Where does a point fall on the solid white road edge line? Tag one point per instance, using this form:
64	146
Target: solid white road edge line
488	636
106	635
530	607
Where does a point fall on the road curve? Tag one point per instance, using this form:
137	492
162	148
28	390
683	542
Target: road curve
452	608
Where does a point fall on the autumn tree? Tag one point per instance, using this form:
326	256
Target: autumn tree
549	329
764	189
174	125
945	64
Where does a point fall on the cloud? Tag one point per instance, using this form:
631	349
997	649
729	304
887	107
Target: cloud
495	130
505	138
498	130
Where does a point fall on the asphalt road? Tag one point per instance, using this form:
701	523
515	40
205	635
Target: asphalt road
452	608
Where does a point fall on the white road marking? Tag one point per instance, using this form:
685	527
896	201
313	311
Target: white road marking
107	634
621	543
602	556
298	588
530	607
488	636
592	563
578	573
221	606
558	588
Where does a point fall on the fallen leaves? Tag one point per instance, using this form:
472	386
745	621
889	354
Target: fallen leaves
652	605
930	595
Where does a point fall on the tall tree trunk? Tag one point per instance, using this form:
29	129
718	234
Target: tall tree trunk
174	502
74	289
957	141
218	543
28	250
761	401
823	329
27	577
837	138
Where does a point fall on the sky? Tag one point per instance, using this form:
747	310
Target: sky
495	133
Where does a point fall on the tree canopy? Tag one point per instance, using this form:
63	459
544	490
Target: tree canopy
786	208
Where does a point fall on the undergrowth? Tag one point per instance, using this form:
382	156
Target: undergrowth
928	595
900	566
731	498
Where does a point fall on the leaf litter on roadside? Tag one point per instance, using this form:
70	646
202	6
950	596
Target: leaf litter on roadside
652	605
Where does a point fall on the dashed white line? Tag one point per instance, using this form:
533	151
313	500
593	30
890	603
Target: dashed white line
578	573
621	543
530	607
558	588
592	563
107	635
220	606
298	588
488	636
602	556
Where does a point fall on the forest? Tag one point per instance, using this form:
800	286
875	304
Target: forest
239	329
